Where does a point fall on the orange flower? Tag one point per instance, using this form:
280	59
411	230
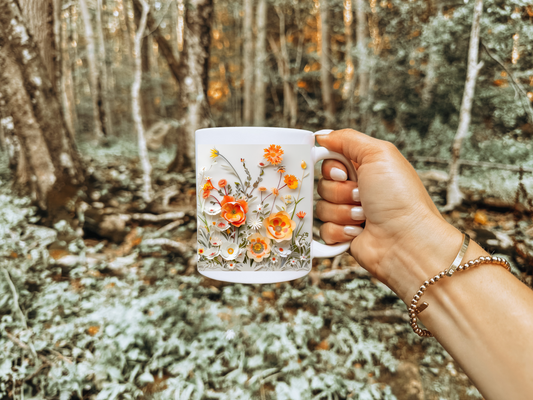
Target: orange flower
208	185
300	215
275	191
206	194
222	183
279	226
259	247
291	181
281	170
234	211
274	154
262	189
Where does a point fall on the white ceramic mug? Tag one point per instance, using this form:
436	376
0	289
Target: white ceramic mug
255	203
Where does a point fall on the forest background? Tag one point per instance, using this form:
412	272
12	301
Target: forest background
99	101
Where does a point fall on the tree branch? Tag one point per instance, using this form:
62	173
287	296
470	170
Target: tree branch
482	164
526	104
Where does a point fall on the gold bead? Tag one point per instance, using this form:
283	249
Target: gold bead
436	278
420	293
423	287
431	281
417	297
414	301
426	283
442	274
460	268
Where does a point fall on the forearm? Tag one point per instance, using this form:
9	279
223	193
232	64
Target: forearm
484	318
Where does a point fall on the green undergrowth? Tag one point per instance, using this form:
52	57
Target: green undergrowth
149	331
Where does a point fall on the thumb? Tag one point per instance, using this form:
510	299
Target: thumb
354	145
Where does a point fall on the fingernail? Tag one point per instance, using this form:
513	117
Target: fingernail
353	230
338	174
355	195
323	132
358	214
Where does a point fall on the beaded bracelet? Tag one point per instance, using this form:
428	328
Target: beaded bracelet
414	310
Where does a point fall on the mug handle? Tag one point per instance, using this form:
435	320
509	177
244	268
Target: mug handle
319	250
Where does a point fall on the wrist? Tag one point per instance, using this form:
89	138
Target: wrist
428	249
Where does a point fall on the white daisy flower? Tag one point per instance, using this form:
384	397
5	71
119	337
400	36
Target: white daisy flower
274	259
304	258
263	164
293	262
231	265
229	250
256	224
260	208
215	239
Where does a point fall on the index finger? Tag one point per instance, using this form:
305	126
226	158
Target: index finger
355	145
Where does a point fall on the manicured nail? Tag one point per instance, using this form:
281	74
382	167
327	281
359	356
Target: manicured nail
353	230
355	195
358	214
338	174
323	132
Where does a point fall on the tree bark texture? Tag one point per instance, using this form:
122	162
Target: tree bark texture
348	35
43	135
248	58
94	74
454	195
136	104
430	78
164	46
195	112
290	100
362	52
260	60
39	15
105	91
66	83
325	66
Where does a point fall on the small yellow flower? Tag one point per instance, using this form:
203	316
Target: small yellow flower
304	165
214	153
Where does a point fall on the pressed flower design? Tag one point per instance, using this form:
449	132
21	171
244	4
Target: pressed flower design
247	224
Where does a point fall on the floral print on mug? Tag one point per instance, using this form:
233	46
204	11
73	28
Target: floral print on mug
253	218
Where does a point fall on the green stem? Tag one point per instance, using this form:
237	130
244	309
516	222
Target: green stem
299	190
234	170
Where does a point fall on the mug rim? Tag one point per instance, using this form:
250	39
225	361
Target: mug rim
255	128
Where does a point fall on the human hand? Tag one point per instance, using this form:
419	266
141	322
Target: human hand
405	239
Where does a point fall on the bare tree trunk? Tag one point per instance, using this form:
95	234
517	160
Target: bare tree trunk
175	15
248	58
105	91
136	105
260	60
454	195
156	78
348	35
94	78
40	16
31	100
325	66
290	100
362	52
195	111
65	83
433	60
164	46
